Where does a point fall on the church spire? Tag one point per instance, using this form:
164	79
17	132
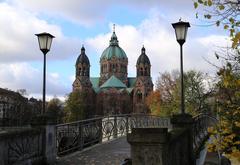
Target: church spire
113	28
114	40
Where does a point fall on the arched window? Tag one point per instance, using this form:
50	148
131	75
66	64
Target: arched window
114	68
79	71
146	71
141	71
139	96
110	67
84	71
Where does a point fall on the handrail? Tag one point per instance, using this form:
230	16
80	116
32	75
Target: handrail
81	134
200	130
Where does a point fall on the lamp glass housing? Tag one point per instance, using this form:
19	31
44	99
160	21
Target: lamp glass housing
181	31
45	41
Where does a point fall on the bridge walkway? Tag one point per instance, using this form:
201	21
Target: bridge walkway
109	153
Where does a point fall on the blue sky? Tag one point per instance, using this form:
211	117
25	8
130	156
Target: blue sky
89	23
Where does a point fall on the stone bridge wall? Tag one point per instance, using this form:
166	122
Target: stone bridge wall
159	147
27	146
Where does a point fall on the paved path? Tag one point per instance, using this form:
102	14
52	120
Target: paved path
111	153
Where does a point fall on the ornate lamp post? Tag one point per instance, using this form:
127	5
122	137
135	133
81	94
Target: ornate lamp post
181	34
45	42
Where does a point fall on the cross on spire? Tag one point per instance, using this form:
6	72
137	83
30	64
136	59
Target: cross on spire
113	27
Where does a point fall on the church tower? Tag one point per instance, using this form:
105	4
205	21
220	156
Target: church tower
143	84
113	61
82	81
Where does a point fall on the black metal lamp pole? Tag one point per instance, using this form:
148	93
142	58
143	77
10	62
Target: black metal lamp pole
181	34
45	42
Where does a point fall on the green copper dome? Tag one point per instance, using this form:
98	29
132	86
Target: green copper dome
113	50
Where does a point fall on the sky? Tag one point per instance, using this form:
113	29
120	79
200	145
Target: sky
90	23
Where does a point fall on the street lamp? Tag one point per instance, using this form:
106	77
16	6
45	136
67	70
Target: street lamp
181	34
45	41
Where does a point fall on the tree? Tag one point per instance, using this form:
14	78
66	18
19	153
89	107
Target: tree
22	92
228	128
165	101
223	13
55	110
153	101
226	13
76	107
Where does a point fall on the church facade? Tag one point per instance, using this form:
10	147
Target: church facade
113	92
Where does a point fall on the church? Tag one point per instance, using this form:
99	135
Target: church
113	92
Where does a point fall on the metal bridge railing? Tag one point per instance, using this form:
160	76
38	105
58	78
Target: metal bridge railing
200	130
81	134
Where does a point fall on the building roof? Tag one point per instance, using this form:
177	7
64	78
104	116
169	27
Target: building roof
113	50
95	84
129	88
143	58
82	58
113	82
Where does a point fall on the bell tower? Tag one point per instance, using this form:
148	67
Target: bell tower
144	83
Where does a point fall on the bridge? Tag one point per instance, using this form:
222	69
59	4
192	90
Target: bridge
143	139
103	140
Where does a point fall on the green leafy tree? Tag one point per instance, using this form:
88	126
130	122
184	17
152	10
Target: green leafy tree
55	110
168	86
75	107
225	13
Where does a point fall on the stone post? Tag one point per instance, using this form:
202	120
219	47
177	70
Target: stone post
50	145
185	121
48	131
148	145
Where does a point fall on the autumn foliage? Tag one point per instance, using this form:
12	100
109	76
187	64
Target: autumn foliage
153	101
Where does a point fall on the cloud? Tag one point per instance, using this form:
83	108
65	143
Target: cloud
158	37
18	42
23	76
85	12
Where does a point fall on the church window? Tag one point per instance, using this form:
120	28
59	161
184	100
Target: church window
84	74
139	96
141	71
114	68
146	71
79	71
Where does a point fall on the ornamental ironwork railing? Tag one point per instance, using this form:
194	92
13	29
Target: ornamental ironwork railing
200	130
20	145
81	134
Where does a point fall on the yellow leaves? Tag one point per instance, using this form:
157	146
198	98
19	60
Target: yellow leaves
226	27
195	5
210	129
209	2
237	124
235	155
231	20
232	31
221	7
236	40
